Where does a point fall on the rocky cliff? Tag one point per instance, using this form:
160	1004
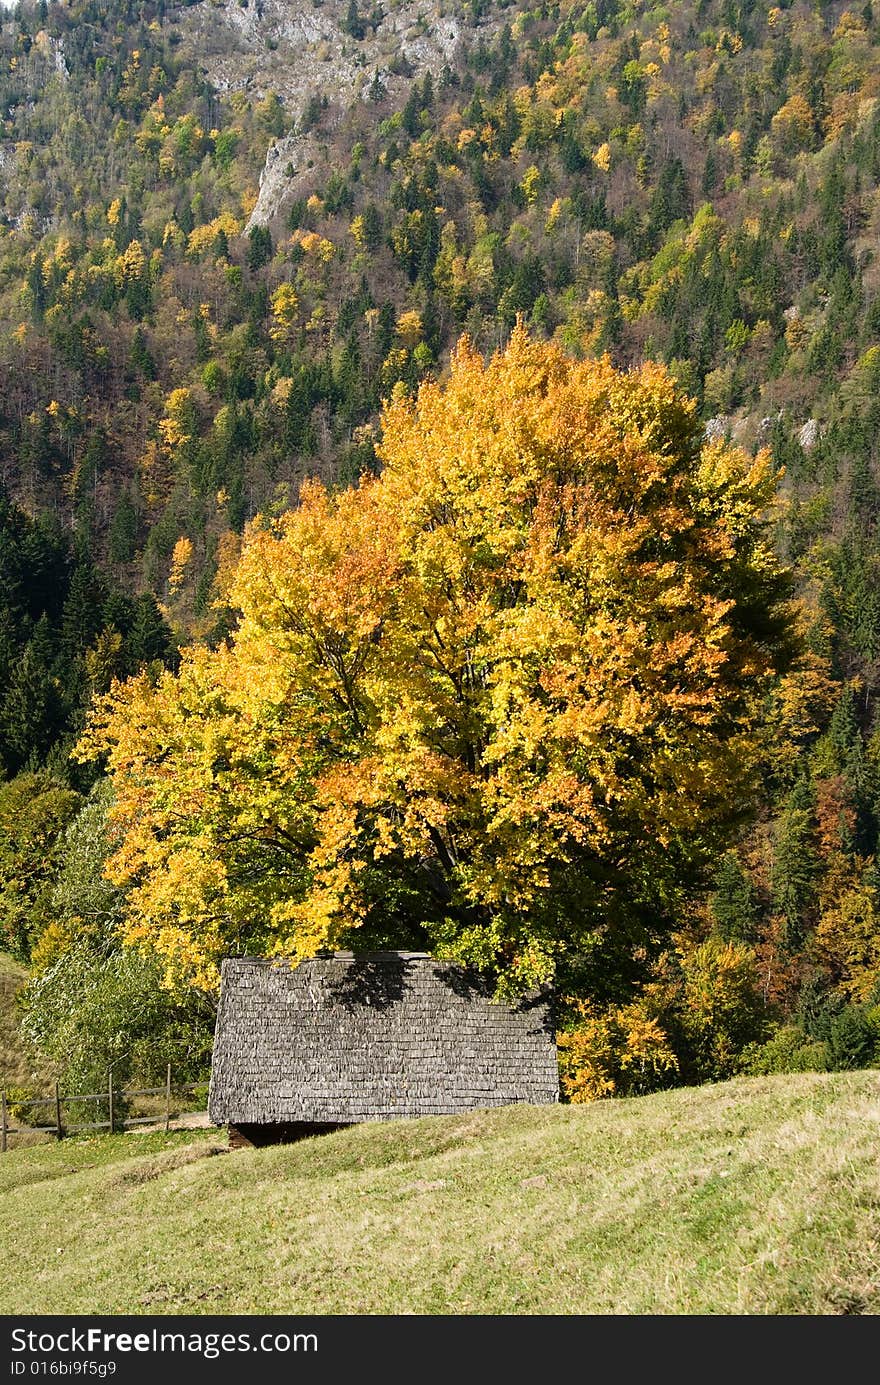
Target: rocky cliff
305	48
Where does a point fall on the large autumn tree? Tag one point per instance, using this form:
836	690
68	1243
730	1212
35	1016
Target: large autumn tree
501	700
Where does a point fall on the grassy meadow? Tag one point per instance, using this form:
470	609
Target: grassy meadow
760	1195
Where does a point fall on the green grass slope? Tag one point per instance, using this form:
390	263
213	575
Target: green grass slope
755	1196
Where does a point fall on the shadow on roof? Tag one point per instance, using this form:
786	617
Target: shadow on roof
375	981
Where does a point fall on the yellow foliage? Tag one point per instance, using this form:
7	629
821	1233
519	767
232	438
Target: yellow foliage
559	207
172	234
797	332
202	238
849	23
530	184
409	328
132	263
514	654
180	561
793	123
175	428
227	558
314	244
844	114
285	310
848	941
617	1052
281	391
154	475
54	941
801	704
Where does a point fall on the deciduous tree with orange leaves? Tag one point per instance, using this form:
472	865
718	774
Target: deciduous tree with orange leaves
500	701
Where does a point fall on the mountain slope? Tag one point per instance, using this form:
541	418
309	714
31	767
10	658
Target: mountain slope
182	344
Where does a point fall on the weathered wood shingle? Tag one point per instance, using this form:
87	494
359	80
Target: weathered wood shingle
344	1039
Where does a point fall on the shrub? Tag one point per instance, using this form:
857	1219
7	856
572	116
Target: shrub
691	1023
27	1106
100	1006
714	1008
828	1037
855	1037
788	1050
621	1052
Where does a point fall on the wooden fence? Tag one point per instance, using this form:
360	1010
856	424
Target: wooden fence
110	1099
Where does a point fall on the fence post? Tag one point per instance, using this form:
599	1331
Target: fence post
58	1130
168	1099
2	1122
110	1097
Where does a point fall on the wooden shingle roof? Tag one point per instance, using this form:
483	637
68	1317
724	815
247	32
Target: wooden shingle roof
388	1034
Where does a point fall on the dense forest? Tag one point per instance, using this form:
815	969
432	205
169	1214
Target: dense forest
696	184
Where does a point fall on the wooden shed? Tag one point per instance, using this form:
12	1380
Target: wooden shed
341	1039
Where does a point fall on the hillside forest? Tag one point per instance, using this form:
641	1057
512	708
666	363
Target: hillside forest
562	357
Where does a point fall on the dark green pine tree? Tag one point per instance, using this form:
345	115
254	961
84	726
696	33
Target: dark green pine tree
843	728
299	433
37	286
81	616
671	198
32	714
411	112
138	297
373	226
859	772
733	904
795	864
259	247
149	637
348	382
709	180
220	248
353	24
91	469
122	538
140	358
34	568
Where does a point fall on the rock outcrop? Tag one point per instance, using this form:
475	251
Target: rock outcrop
303	48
